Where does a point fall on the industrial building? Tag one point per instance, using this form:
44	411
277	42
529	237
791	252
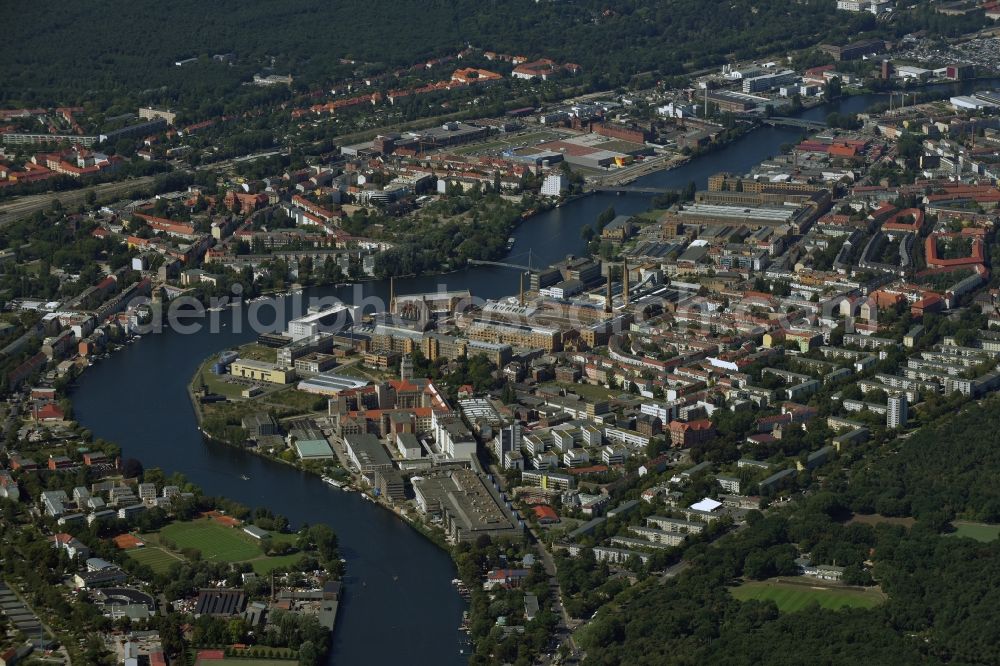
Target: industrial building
367	454
518	335
261	371
734	102
766	82
854	50
468	505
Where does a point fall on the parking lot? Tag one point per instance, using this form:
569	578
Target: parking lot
980	52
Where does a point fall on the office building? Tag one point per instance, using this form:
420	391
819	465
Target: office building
331	319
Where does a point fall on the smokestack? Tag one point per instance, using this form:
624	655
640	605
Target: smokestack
607	299
392	292
521	291
625	282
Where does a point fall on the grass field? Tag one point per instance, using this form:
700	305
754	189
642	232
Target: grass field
157	559
296	401
979	531
529	140
790	597
214	382
220	543
651	215
264	565
256	352
588	391
215	541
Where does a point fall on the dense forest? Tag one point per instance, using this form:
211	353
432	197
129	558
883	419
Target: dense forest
948	467
942	590
70	52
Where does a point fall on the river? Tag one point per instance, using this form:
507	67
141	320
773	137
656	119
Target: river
399	605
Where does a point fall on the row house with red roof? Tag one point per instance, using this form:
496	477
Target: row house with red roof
245	202
685	434
170	227
78	162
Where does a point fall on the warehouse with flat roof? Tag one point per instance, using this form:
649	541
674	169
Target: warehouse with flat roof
313	449
330	383
468	505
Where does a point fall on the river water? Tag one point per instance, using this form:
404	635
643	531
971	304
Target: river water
399	605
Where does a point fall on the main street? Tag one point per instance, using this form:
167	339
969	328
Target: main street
567	625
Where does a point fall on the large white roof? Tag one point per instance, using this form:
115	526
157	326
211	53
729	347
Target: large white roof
706	504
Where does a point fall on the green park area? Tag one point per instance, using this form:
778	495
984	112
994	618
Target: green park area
258	352
296	402
215	383
791	597
979	531
213	541
587	391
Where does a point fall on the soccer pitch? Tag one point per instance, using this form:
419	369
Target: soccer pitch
790	597
215	541
157	559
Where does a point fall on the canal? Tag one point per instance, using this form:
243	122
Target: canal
399	604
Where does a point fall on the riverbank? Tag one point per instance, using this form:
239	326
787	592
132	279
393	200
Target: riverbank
354	484
134	398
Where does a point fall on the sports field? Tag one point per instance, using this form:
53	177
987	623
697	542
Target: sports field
979	531
215	541
264	565
790	597
157	559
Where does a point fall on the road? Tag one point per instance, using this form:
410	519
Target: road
567	625
549	564
674	570
28	205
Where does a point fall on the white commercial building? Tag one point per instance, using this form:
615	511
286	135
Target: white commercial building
973	102
910	72
554	185
328	320
768	81
874	6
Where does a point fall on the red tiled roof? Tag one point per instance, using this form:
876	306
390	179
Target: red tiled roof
49	412
700	424
545	512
